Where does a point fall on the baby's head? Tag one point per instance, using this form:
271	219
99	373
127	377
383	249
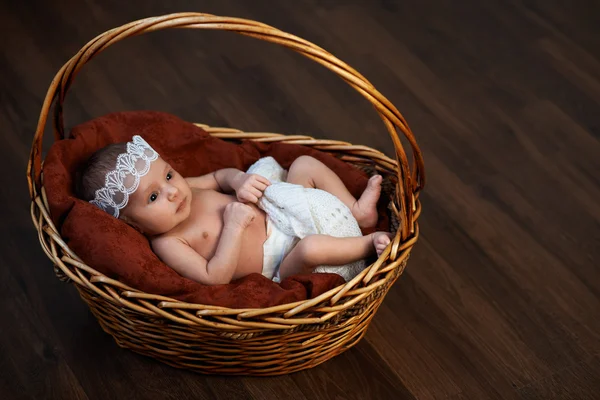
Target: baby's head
133	183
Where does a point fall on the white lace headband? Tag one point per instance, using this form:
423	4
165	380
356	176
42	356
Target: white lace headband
125	178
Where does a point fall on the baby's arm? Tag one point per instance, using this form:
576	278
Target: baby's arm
222	266
247	187
189	264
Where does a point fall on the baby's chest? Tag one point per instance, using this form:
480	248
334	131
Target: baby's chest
205	241
204	229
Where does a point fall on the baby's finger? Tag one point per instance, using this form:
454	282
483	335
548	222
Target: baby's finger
263	180
256	192
252	198
260	186
247	196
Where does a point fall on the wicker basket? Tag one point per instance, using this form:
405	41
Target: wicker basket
209	339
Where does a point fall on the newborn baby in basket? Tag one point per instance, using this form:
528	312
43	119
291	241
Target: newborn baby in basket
228	224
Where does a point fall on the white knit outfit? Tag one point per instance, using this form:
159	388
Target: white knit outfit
294	212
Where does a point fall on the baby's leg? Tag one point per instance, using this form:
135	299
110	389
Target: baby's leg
312	173
316	250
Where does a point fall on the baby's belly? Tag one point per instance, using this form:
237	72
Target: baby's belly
251	253
206	224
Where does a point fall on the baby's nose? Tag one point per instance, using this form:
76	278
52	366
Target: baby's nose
173	192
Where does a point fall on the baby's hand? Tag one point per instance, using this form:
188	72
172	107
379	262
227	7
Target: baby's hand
238	214
250	187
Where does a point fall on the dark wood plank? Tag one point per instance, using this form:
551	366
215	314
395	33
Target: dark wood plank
500	297
346	377
577	382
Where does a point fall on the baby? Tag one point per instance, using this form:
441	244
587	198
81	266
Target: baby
209	228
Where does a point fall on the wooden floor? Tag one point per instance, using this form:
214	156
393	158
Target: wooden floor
501	298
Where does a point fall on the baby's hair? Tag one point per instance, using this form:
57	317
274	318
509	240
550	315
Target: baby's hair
93	174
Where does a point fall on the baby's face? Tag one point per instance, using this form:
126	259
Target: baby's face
161	202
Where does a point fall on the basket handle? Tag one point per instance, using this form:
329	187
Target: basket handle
408	186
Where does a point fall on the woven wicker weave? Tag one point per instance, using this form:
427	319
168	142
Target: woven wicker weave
209	339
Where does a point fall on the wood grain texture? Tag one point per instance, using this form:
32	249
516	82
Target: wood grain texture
501	296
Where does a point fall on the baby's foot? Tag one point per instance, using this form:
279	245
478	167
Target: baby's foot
365	209
380	241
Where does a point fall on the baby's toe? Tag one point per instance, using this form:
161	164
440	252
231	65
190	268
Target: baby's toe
375	179
379	250
381	241
384	240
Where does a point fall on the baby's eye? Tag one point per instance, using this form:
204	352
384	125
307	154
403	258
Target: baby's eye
169	176
152	197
